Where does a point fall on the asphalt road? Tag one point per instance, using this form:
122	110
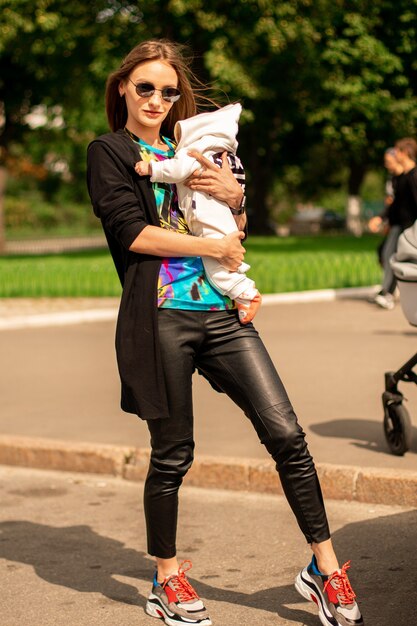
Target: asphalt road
72	553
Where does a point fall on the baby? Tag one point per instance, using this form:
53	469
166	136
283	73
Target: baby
208	133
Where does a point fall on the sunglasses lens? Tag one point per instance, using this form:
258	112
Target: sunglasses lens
145	90
170	94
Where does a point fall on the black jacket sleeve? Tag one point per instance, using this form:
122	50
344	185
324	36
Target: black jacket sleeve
112	194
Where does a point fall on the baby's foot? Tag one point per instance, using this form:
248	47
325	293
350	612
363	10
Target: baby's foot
248	304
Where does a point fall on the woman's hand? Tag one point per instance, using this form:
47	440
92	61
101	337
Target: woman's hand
232	251
216	181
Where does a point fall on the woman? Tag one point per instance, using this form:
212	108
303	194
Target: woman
171	322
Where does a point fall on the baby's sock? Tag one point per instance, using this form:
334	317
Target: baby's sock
248	303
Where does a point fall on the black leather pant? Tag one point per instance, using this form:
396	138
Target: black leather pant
233	358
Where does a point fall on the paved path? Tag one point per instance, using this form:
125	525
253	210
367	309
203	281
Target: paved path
55	245
72	553
72	546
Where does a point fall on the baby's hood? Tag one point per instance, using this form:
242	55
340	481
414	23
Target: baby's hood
222	123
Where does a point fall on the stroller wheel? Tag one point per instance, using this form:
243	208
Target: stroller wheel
397	428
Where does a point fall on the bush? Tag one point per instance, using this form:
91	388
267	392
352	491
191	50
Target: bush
17	213
29	214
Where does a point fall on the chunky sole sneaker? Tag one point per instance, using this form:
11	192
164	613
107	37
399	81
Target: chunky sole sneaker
333	595
155	608
176	602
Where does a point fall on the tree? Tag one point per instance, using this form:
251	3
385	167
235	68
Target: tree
315	77
53	67
257	51
367	96
310	72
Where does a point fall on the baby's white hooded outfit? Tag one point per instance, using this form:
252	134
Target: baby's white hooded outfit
208	133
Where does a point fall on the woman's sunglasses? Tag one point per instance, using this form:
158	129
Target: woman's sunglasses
146	90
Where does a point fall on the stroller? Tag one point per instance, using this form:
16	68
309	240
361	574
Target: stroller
397	423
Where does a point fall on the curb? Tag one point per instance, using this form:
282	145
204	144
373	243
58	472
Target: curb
58	318
320	295
338	482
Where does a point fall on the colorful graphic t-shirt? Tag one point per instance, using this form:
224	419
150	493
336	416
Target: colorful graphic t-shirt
182	281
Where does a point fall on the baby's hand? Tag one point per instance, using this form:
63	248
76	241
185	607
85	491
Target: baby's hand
142	168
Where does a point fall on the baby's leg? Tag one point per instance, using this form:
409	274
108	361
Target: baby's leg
237	286
213	219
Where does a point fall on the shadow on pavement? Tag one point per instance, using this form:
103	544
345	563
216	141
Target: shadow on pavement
384	570
400	333
369	434
75	557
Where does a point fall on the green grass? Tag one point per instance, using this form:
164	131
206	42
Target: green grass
319	262
277	265
85	274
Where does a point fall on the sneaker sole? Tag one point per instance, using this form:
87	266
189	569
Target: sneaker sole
308	589
156	609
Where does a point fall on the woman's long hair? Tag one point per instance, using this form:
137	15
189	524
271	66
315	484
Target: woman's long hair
154	50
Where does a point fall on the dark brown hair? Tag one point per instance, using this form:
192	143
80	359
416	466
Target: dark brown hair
409	146
152	50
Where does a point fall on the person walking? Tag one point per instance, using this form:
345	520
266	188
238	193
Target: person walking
161	341
391	219
406	155
401	213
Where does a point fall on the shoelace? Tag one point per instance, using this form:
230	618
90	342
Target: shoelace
345	593
179	582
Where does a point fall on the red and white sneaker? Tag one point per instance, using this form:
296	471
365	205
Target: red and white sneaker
333	595
247	304
176	602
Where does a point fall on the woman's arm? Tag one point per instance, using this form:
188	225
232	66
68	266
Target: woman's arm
160	242
115	202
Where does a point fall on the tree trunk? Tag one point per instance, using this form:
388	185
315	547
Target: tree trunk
259	178
354	204
2	194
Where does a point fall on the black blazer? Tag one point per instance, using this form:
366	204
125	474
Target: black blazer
125	203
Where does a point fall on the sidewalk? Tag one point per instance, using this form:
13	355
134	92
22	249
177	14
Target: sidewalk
55	245
72	553
59	382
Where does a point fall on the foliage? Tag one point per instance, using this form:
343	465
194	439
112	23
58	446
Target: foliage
30	215
325	84
367	96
